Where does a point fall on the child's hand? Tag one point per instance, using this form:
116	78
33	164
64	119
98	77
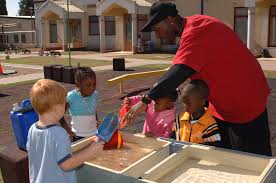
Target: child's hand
95	138
96	145
126	101
174	126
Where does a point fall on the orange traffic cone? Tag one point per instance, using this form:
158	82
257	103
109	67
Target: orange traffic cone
1	69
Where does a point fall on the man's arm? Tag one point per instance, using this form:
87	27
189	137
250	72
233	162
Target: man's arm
175	76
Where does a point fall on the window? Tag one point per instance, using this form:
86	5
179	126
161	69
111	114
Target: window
94	25
110	25
23	38
142	20
15	38
53	31
272	27
240	23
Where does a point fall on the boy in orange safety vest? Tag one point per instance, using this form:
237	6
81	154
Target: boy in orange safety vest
197	124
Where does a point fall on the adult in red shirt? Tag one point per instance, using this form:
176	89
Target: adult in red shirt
209	50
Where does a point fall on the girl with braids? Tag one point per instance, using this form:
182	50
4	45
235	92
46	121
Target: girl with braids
82	104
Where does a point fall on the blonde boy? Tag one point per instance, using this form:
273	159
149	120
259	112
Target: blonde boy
48	145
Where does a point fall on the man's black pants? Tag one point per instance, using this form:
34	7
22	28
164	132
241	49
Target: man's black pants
253	137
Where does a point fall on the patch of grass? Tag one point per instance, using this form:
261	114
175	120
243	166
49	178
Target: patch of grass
79	52
56	60
18	83
270	74
165	57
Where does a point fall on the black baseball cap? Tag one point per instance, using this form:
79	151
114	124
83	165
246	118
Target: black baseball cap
158	12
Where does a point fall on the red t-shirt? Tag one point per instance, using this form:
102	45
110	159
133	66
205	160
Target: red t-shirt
238	87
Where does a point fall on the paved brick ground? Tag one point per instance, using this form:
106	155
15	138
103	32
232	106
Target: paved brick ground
110	99
110	102
20	71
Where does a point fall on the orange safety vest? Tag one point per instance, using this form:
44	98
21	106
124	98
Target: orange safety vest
204	130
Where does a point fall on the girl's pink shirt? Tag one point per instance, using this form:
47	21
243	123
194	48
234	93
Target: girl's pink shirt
157	123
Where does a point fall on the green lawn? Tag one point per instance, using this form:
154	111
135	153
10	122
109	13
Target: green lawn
79	52
165	57
56	60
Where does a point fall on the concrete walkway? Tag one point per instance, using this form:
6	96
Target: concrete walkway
267	64
130	63
28	77
23	66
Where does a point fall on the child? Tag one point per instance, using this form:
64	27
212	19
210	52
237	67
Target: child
48	145
82	104
160	114
197	124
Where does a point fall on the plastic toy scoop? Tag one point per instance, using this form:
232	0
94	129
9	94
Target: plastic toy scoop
108	127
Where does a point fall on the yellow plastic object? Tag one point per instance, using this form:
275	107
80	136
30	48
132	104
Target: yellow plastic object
121	79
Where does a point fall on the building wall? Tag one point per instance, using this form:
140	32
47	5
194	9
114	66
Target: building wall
110	42
84	3
22	24
211	8
188	7
85	29
37	5
226	15
262	25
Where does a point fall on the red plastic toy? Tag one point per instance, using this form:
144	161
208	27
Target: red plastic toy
123	112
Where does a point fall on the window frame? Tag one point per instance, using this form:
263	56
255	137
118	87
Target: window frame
25	39
239	16
93	22
110	21
16	41
269	26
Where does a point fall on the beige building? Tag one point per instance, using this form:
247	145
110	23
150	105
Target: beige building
253	20
107	25
110	25
17	31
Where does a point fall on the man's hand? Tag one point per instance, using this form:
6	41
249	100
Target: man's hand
134	111
174	127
